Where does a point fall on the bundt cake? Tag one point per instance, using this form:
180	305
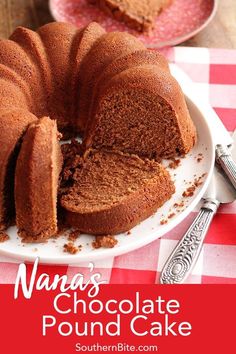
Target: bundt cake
112	192
36	181
13	124
137	14
107	86
66	73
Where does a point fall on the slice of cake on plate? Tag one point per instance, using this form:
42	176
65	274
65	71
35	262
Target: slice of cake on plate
36	181
112	192
137	14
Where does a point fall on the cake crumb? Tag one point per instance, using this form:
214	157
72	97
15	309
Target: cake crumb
179	205
71	248
163	221
171	215
189	192
174	163
199	157
198	181
4	236
128	233
106	241
73	235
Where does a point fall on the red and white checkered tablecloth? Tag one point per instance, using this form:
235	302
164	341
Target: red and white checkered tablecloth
214	71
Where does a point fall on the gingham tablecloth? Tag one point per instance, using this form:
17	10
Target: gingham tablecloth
214	71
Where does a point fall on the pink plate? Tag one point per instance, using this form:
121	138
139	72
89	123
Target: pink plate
182	20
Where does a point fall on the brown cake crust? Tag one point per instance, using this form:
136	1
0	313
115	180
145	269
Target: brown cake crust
113	192
109	47
10	140
41	80
137	14
12	96
48	63
13	57
88	37
58	39
36	179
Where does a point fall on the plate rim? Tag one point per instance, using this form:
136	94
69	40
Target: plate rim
154	235
188	35
171	42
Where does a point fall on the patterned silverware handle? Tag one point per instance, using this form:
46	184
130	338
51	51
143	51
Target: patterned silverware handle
185	254
224	158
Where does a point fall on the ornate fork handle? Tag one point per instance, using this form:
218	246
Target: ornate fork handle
185	254
224	158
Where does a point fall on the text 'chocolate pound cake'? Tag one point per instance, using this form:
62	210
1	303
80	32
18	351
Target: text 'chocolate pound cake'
112	192
36	181
137	14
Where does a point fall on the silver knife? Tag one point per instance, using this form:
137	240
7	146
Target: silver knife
226	161
183	258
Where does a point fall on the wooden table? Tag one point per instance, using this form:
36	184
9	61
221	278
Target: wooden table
220	33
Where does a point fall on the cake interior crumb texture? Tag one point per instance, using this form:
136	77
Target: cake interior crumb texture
137	14
113	191
153	126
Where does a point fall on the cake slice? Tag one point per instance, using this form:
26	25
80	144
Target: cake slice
18	121
36	182
137	14
112	192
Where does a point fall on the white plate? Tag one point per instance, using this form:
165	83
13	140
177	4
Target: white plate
150	229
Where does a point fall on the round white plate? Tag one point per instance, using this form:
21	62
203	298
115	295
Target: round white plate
150	229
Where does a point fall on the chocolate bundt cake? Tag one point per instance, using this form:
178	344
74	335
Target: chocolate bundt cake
36	181
137	14
107	86
66	74
112	192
